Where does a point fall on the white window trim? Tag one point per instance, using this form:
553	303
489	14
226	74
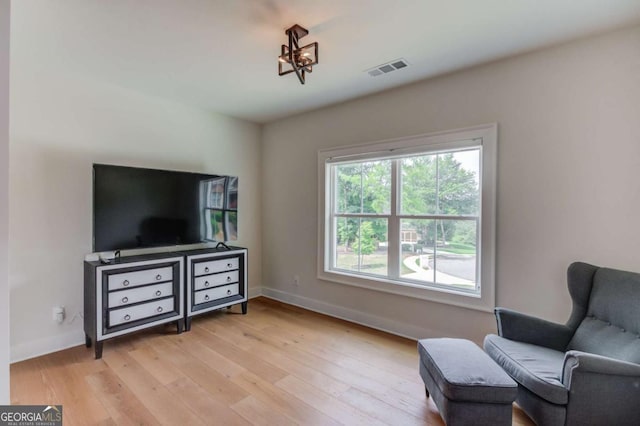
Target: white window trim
404	146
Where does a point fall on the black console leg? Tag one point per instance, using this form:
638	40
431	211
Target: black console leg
87	340
180	325
187	325
98	349
244	308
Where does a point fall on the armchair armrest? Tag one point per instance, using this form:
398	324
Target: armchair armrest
602	390
528	329
576	361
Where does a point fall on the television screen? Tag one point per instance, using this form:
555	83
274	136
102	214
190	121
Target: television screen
138	208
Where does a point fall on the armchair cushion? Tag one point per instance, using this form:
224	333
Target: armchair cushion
537	368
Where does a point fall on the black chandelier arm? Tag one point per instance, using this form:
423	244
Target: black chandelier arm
299	71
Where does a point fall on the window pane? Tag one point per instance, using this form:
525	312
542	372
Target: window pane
232	193
417	239
364	187
455	253
214	225
231	223
214	193
376	187
418	186
348	199
361	245
458	182
346	230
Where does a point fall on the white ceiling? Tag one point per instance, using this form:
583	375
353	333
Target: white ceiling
222	54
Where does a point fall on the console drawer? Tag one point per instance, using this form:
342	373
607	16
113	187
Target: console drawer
206	296
135	295
206	281
213	266
136	278
133	313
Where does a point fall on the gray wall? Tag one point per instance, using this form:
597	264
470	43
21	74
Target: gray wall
60	125
568	186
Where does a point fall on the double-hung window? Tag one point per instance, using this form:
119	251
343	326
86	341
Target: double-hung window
413	216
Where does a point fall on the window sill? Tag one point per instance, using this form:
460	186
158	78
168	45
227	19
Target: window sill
484	303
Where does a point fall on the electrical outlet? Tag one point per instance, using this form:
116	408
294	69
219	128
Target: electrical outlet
296	280
58	314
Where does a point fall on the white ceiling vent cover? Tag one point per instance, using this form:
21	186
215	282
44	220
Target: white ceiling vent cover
391	66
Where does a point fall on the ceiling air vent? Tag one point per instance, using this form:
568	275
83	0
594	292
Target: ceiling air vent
387	68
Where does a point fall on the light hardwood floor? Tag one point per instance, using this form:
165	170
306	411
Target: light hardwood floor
277	365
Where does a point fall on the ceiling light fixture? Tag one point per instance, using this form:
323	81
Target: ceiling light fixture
301	59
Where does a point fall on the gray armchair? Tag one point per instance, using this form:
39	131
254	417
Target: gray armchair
587	371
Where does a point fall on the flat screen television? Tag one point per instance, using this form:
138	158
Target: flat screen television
139	208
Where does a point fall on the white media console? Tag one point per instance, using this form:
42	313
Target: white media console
137	292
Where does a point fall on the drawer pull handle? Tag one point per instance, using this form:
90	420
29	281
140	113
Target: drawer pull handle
229	291
127	317
206	297
228	278
229	265
125	283
159	309
158	277
158	293
125	299
206	269
206	283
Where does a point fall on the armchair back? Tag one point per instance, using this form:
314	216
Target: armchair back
611	326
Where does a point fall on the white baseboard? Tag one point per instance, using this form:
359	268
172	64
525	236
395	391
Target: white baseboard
387	325
47	345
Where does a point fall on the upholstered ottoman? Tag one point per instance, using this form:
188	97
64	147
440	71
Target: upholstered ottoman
468	387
